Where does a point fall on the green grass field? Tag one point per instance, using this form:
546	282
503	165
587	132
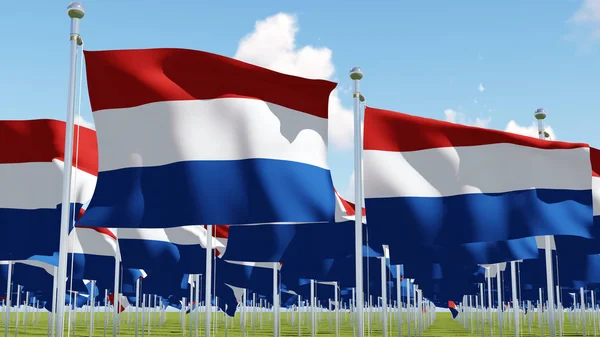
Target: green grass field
443	326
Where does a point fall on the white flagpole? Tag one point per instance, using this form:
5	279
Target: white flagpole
76	11
583	324
54	296
337	310
408	322
593	312
482	310
92	301
116	297
499	292
384	295
190	304
275	301
8	304
105	309
540	115
313	322
489	285
197	297
356	75
19	304
299	315
25	311
399	298
253	313
208	283
515	300
353	313
540	305
420	312
559	311
137	305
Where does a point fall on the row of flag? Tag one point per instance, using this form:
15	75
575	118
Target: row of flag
187	138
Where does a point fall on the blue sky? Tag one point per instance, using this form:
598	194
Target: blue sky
477	62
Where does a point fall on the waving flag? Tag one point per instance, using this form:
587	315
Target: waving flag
580	257
179	248
288	242
257	276
93	251
35	275
123	302
430	182
88	287
189	137
31	175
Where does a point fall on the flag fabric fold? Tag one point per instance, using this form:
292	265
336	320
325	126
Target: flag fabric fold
430	182
31	175
218	138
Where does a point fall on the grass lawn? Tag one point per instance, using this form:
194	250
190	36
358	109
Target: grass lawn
444	326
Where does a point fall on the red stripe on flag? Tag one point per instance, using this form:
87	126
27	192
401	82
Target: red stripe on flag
219	231
111	299
397	132
595	159
349	207
130	78
100	230
43	140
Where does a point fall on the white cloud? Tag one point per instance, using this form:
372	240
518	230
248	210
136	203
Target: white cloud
588	14
272	45
483	123
531	131
450	115
453	116
481	88
81	121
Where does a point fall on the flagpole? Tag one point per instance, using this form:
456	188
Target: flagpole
583	324
515	305
92	301
499	293
275	301
76	11
489	285
384	331
481	291
399	299
540	115
116	296
8	303
312	309
356	75
208	283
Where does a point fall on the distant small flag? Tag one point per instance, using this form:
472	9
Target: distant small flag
123	303
453	309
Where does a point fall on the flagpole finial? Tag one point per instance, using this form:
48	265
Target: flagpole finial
75	10
356	73
540	114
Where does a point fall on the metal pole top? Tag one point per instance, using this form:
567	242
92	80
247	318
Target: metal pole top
540	114
75	10
356	73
